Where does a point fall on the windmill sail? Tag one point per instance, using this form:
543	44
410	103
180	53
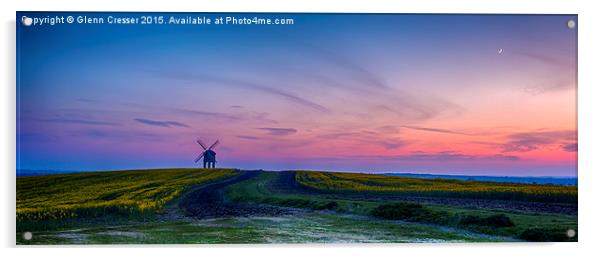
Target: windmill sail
214	144
199	157
202	144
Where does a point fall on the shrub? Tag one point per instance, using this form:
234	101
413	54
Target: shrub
546	235
328	206
295	202
469	220
497	221
409	212
399	211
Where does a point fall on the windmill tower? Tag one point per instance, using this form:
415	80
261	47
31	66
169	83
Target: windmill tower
208	155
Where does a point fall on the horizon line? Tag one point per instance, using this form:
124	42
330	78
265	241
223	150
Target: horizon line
271	170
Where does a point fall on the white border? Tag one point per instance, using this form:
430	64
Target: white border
589	101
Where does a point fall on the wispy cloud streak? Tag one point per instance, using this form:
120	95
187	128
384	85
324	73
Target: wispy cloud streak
529	141
167	124
246	137
439	130
572	147
78	121
443	156
259	87
278	131
206	114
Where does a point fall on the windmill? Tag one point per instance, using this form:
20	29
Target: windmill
208	154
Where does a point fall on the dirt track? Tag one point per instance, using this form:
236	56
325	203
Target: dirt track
208	201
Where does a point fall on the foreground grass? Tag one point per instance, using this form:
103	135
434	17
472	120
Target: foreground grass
373	183
261	190
304	227
101	194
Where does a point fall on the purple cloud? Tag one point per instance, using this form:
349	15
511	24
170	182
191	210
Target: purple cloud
541	58
388	129
244	84
528	141
206	114
396	101
443	156
427	129
167	124
447	156
391	144
87	100
572	147
119	135
248	137
278	131
365	138
338	135
78	121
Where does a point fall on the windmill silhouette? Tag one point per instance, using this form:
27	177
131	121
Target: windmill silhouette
208	154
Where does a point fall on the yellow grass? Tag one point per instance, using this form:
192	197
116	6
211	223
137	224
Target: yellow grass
357	182
100	193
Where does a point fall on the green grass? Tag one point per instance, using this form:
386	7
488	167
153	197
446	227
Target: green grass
99	194
260	190
522	221
309	227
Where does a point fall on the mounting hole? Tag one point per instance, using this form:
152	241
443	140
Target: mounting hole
571	24
27	235
26	20
571	233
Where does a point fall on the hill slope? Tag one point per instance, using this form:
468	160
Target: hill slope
101	193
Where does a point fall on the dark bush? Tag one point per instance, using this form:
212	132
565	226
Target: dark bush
437	217
546	235
497	221
469	220
328	206
399	211
409	212
294	202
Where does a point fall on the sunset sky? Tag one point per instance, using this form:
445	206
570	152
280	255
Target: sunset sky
369	93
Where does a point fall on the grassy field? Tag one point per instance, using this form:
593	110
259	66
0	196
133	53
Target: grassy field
371	183
262	189
305	227
93	194
141	206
